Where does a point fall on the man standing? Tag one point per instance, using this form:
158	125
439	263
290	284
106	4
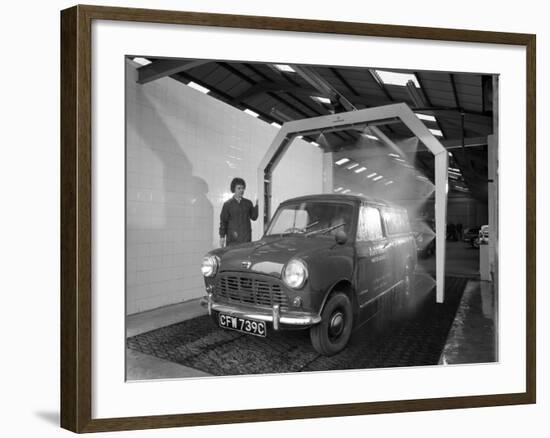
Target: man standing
237	212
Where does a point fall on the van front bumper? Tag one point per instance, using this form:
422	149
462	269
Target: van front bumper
274	315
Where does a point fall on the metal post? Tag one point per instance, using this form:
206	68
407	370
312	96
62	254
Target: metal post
441	187
328	172
350	119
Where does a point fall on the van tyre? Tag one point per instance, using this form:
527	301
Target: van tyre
332	334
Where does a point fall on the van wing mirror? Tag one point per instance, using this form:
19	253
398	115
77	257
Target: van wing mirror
341	237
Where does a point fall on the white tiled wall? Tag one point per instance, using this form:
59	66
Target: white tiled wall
183	148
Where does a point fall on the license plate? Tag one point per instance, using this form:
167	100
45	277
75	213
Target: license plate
243	325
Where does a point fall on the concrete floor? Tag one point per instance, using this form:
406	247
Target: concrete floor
141	366
461	261
472	338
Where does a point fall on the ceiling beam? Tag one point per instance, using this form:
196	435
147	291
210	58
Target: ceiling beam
343	80
323	87
381	85
426	98
185	77
326	90
477	129
455	93
281	88
468	142
441	110
245	78
271	87
165	67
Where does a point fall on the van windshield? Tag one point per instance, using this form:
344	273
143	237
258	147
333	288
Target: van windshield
312	218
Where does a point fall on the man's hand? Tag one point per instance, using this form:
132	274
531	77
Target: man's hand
222	242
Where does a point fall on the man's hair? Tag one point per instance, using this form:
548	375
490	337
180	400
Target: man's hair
237	182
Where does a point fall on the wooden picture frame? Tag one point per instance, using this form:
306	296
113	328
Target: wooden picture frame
76	217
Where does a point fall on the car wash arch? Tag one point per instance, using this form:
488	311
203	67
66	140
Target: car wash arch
367	120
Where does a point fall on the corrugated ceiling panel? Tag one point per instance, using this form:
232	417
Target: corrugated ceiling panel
468	79
215	76
239	88
229	82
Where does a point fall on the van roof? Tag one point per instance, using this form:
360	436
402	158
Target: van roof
340	197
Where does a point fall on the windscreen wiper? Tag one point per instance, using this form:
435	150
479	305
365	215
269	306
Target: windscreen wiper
300	230
325	230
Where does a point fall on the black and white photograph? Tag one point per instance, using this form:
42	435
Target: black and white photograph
295	218
275	219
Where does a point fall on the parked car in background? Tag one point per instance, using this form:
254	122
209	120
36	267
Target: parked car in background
471	235
484	235
325	263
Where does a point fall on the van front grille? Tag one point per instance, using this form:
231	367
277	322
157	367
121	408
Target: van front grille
247	290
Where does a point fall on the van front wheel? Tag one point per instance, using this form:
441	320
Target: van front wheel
332	334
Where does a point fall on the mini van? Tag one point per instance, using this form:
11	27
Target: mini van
325	263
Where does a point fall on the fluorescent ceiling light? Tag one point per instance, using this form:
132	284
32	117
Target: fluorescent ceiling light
400	160
450	154
462	189
346	191
276	125
352	166
361	169
251	113
284	67
321	99
394	155
394	78
378	178
338	189
388	183
314	143
198	87
372	137
425	117
436	132
142	61
342	161
371	175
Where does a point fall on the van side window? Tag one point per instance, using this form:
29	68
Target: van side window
369	226
397	221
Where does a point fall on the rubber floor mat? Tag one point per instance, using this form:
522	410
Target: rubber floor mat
410	339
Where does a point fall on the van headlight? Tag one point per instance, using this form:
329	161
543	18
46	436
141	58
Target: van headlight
295	273
210	266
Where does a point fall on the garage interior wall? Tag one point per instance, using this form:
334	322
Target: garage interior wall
468	212
182	150
463	210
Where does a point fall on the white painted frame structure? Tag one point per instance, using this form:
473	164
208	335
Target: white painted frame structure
369	117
